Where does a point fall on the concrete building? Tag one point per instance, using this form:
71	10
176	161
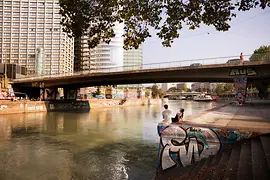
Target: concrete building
31	36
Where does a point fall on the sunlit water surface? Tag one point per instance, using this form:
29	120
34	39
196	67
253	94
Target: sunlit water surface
108	143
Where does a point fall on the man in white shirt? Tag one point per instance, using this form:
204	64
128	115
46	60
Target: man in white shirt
166	114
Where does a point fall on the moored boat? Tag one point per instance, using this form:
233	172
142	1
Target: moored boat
203	97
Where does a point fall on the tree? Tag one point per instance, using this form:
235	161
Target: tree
97	18
154	91
98	91
219	88
263	53
228	87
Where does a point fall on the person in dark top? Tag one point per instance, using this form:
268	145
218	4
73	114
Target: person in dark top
179	116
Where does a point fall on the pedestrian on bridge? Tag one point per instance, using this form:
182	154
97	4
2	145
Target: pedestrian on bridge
241	58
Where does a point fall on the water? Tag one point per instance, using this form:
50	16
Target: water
108	143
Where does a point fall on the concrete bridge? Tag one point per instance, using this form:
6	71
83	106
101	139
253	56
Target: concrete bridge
257	73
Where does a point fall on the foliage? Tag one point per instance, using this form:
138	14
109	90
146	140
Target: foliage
98	91
147	93
98	17
161	93
263	53
156	92
224	88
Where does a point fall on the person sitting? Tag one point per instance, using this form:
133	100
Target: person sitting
166	114
180	115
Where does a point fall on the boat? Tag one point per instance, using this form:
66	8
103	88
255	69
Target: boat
202	97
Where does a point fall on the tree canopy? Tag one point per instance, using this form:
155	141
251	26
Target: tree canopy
97	18
263	53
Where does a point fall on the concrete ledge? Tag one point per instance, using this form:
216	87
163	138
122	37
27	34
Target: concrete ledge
13	107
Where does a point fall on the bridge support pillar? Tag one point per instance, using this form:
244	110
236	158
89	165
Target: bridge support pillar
240	85
70	93
48	93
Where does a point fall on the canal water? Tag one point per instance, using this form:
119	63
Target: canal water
109	143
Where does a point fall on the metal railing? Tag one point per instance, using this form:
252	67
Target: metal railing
171	64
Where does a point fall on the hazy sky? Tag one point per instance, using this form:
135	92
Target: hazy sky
249	30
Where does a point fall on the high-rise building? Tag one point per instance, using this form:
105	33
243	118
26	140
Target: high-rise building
101	57
133	59
31	36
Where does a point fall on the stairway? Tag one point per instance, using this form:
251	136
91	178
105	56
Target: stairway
246	160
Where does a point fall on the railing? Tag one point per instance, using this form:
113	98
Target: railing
171	64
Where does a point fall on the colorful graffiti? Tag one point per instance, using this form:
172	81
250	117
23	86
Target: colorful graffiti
240	85
181	146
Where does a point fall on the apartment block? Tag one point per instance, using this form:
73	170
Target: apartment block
31	36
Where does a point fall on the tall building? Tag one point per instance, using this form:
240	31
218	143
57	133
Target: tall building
31	36
101	57
133	58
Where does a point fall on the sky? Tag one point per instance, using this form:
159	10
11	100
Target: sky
249	30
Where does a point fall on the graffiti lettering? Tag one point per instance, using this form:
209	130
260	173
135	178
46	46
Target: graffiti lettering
184	146
2	107
244	71
32	108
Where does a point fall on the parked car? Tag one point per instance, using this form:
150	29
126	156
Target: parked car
196	64
233	61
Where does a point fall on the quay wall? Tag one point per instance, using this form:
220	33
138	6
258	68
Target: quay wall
13	107
103	103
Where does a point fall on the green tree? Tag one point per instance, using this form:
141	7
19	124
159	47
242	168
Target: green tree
98	91
219	88
228	87
154	90
263	53
185	87
97	18
172	89
161	93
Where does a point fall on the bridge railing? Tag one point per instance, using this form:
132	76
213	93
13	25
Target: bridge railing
171	64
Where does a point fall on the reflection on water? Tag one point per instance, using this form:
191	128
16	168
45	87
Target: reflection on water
109	143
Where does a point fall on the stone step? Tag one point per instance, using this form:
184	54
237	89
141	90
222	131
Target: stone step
232	166
259	164
245	163
213	166
221	168
265	139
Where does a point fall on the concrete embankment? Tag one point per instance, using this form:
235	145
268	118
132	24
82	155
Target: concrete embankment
12	107
252	116
103	103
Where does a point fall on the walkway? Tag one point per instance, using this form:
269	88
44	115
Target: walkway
253	116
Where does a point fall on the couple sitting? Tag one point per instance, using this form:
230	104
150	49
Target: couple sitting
166	114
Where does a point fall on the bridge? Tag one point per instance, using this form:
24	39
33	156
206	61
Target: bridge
257	73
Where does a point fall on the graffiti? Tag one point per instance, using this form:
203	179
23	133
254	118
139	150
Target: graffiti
184	146
243	71
2	107
33	108
240	85
71	105
72	94
50	94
